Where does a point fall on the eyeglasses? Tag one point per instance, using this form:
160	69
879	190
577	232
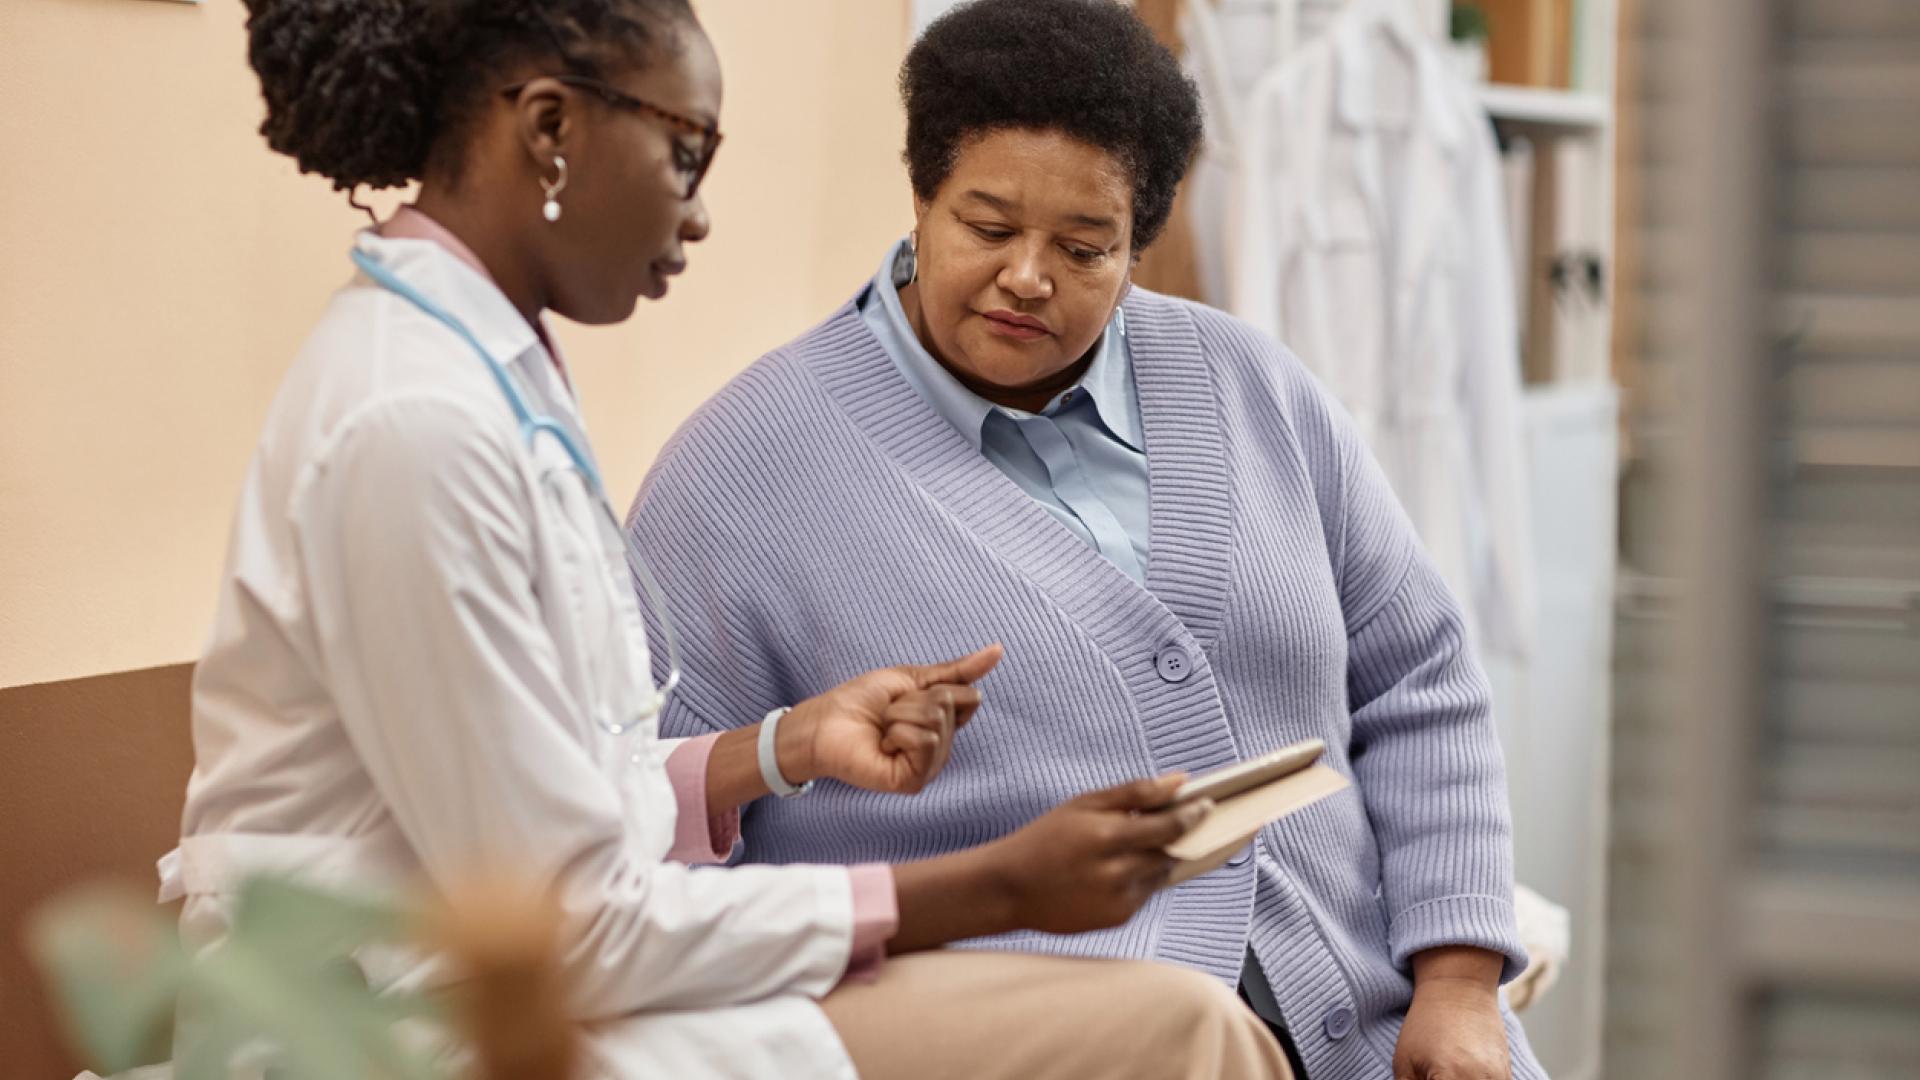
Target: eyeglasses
691	164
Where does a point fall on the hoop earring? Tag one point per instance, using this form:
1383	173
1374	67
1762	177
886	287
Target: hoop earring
906	264
551	209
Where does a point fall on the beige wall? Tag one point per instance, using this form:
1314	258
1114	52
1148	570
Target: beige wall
158	268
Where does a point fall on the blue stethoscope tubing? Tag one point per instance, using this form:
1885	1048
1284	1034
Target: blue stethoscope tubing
532	426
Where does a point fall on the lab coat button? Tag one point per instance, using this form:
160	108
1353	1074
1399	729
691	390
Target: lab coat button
1174	664
1339	1022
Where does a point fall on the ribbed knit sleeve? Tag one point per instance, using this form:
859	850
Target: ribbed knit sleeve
1424	748
694	523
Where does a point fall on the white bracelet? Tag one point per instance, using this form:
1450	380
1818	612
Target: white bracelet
770	763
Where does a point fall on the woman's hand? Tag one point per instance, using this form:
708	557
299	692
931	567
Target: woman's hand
1088	864
1092	861
1453	1029
888	730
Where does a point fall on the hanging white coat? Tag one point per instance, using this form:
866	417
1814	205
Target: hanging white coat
1364	229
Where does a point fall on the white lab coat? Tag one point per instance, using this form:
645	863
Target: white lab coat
420	623
1360	222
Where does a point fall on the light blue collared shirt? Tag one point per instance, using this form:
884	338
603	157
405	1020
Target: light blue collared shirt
1083	457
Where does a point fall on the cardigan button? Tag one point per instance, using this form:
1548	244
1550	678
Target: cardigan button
1339	1023
1174	664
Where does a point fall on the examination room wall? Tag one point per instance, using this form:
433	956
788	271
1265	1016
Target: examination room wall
161	267
158	270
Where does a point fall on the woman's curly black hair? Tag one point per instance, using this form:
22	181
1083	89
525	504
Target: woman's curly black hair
375	92
1087	68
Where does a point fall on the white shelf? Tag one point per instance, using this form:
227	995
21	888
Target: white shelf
1565	109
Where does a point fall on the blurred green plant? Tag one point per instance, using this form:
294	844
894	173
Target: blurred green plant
281	988
1468	22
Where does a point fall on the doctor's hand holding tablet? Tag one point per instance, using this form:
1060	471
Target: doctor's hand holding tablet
1092	861
1088	864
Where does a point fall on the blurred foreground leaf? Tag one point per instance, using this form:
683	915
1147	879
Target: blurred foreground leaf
281	987
116	968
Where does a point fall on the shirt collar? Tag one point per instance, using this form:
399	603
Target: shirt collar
1108	381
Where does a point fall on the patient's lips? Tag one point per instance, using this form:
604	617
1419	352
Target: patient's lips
1015	325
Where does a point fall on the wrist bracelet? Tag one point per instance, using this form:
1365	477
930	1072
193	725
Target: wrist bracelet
769	761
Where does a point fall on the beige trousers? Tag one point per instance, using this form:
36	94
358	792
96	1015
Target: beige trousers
984	1016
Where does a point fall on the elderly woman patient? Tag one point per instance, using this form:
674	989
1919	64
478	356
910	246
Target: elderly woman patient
1185	548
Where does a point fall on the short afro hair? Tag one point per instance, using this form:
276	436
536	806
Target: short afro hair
1089	69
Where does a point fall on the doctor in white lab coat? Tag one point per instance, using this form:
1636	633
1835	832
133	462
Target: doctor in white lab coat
1355	195
428	661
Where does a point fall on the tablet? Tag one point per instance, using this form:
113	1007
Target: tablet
1234	779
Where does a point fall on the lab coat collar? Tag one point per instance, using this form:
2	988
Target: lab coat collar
466	293
1369	33
1373	31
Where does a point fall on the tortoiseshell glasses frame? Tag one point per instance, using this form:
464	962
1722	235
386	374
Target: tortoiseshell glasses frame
695	170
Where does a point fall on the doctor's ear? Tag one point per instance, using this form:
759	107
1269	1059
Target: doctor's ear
544	112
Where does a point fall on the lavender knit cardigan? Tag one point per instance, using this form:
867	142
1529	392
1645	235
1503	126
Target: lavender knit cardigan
817	519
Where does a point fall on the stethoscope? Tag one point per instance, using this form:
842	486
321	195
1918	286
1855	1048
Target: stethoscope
533	426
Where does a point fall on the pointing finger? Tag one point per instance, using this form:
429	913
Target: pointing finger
967	669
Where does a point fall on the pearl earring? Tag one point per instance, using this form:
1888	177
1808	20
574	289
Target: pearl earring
551	209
